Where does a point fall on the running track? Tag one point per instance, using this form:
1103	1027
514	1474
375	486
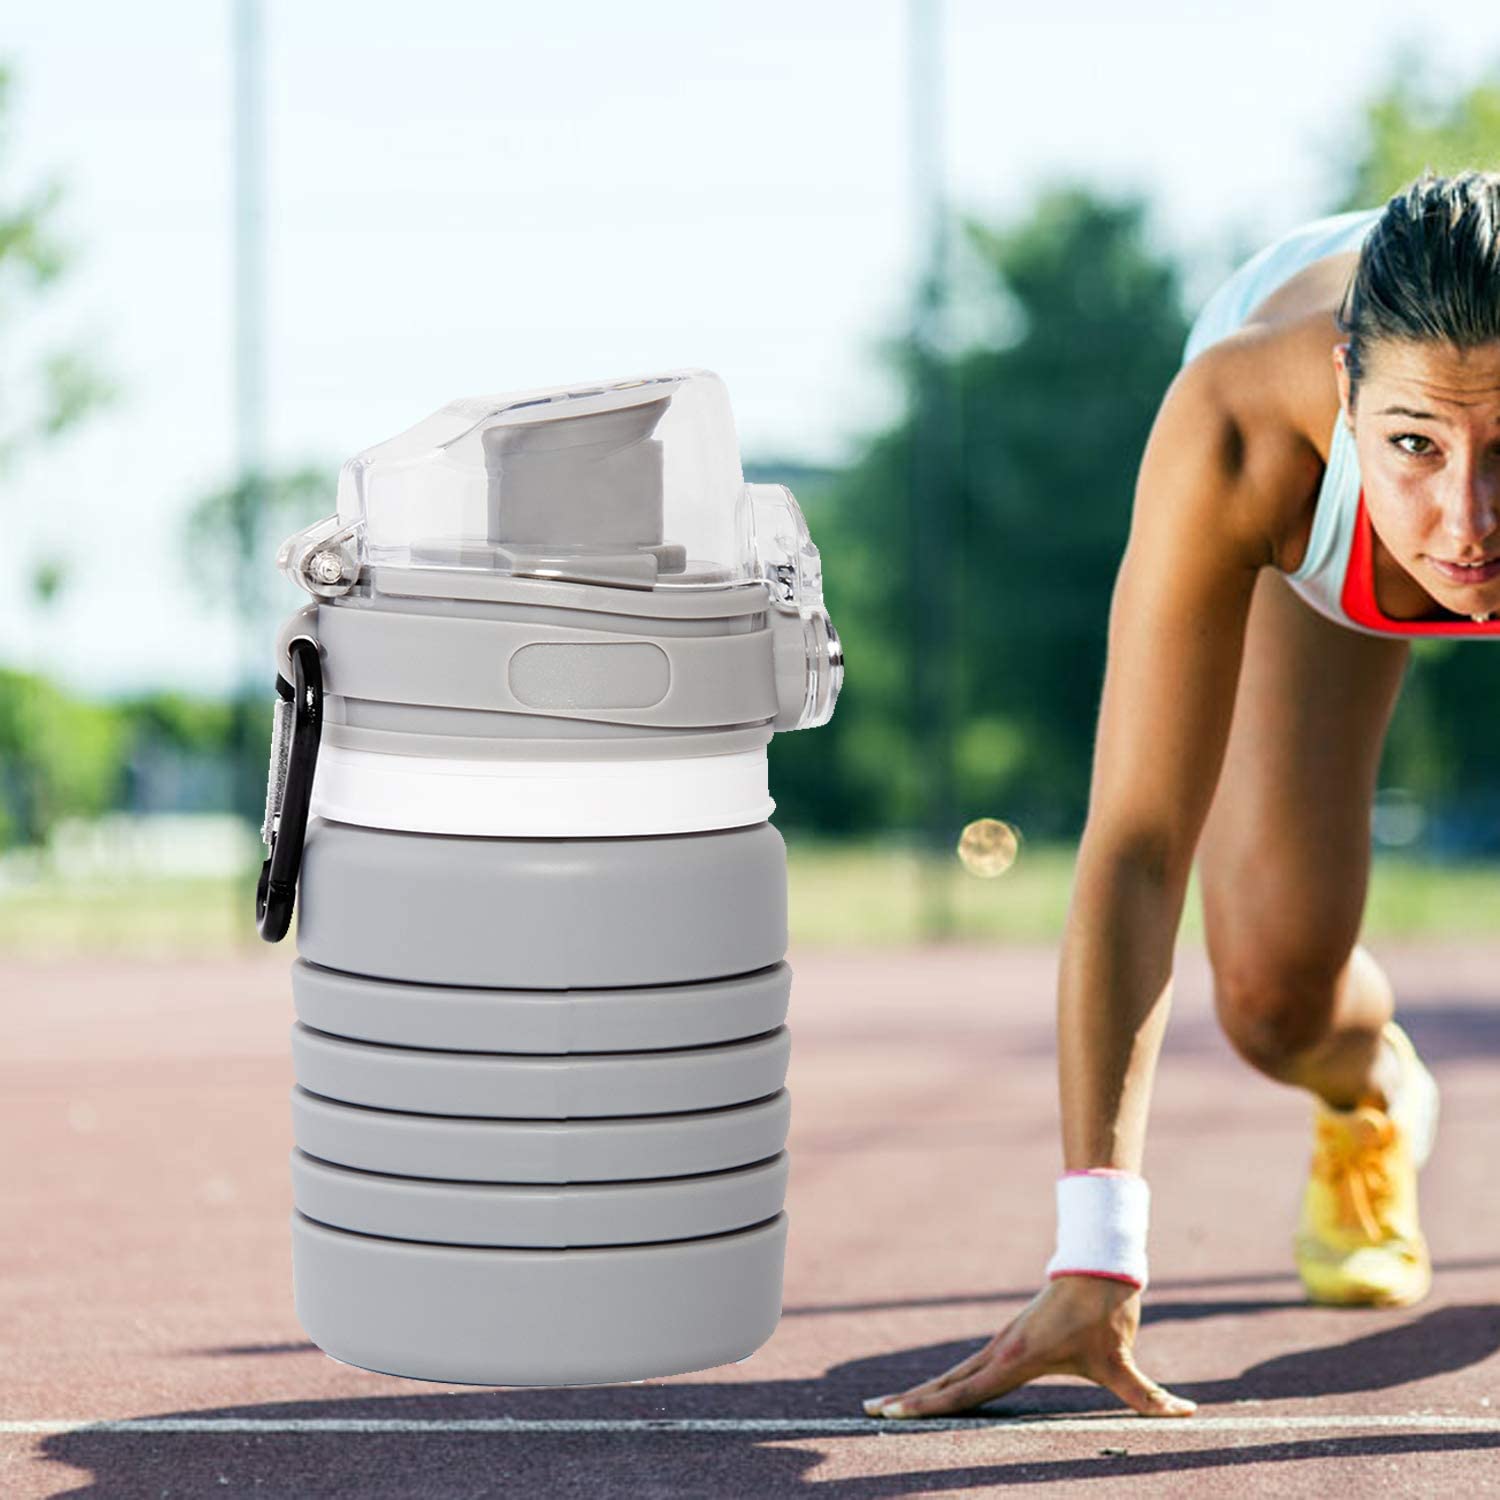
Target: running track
150	1348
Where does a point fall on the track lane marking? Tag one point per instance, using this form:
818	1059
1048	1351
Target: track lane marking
1029	1425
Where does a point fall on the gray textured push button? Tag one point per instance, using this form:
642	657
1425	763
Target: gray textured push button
557	674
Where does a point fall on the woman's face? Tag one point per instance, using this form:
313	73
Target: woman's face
1427	431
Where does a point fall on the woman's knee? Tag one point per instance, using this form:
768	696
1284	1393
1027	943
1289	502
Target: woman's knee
1275	1013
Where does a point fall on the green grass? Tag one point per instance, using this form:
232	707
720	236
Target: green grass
859	895
843	894
160	916
871	895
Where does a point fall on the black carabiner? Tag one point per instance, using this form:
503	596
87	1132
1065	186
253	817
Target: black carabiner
277	889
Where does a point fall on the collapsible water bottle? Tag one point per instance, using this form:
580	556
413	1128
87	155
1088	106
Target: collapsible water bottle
518	792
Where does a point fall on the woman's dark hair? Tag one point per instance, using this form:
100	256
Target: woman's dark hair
1429	269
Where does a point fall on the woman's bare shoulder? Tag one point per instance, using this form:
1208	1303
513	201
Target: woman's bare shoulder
1273	385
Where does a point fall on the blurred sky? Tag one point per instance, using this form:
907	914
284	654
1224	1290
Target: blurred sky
471	197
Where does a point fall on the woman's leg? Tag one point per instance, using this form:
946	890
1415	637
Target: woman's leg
1284	856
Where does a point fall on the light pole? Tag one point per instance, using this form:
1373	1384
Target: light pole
932	471
249	393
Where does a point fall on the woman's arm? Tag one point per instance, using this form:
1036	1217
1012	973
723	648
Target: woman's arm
1176	632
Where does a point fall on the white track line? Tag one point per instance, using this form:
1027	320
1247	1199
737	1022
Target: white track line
771	1426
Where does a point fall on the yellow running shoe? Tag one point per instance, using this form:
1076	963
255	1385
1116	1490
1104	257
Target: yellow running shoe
1359	1240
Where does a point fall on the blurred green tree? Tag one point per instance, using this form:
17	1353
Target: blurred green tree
60	386
195	725
54	752
1413	122
228	536
1052	410
58	756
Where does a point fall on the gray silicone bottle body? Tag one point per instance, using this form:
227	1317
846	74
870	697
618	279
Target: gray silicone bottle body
541	992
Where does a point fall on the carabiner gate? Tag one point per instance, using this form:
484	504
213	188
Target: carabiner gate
294	759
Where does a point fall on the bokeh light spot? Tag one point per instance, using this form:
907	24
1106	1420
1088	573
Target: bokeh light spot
988	847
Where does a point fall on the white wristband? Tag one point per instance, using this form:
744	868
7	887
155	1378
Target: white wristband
1101	1225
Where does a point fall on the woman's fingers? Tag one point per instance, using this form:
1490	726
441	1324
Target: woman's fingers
927	1387
973	1390
984	1375
982	1356
1122	1376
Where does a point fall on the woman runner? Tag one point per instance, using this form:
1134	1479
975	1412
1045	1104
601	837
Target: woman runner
1321	484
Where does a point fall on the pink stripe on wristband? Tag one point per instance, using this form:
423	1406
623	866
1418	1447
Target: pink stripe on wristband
1103	1275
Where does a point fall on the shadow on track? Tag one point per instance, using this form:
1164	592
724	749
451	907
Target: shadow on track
1452	1031
665	1467
1142	1465
1437	1343
454	1464
1156	1312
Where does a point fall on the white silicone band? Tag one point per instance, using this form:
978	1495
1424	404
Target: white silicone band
1102	1215
541	799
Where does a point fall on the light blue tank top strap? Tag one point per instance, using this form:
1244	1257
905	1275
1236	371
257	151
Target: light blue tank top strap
1238	296
1319	578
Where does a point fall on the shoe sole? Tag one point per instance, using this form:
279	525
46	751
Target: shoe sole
1355	1293
1370	1299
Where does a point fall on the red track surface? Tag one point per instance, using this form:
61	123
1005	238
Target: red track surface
146	1269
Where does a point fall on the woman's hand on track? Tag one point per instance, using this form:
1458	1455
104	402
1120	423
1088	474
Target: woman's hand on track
1076	1325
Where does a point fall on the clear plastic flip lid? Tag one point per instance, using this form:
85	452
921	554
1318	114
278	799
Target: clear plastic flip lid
635	483
627	483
